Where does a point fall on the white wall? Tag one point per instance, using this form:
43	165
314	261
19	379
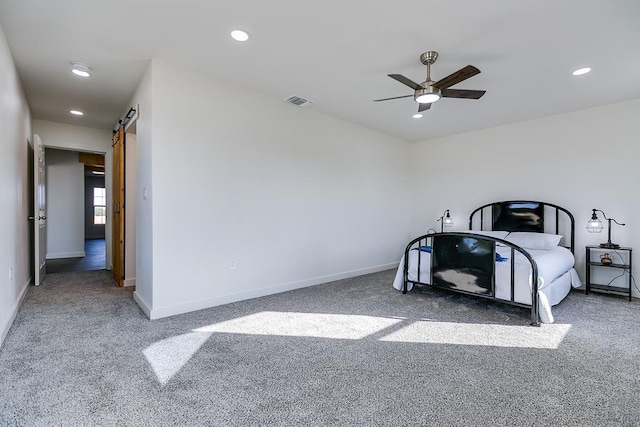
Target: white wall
144	210
15	123
290	196
80	138
581	160
70	137
65	204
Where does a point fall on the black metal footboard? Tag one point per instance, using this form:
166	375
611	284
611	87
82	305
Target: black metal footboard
466	263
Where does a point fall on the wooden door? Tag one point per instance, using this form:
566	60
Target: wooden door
40	212
118	207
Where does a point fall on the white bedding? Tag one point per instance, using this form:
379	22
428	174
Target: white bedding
556	276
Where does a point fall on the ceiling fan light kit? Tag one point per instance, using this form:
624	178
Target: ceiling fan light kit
427	96
429	91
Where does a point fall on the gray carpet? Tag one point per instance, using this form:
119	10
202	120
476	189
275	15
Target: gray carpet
352	352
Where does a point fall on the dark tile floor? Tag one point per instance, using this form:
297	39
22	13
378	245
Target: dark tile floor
94	259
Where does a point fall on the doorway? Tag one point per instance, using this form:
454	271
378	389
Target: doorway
83	140
76	211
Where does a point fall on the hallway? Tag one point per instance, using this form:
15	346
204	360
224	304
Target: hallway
94	259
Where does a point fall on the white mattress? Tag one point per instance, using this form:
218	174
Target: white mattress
556	276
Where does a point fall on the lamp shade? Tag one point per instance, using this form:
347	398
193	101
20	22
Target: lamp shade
594	225
448	221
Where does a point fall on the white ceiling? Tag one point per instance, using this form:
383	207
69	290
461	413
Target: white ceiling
335	53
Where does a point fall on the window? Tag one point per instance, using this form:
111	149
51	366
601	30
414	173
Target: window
99	205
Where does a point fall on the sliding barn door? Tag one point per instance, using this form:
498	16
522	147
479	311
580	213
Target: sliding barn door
118	207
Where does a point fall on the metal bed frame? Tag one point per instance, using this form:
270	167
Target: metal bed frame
564	224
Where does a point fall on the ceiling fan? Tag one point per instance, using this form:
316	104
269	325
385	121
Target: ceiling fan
429	91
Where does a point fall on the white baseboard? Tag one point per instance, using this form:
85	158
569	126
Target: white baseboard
129	282
5	326
142	304
66	255
173	310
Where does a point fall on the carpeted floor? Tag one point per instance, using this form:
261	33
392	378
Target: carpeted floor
348	353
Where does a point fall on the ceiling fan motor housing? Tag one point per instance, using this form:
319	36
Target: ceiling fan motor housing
429	57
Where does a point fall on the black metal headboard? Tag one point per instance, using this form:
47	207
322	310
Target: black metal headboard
525	215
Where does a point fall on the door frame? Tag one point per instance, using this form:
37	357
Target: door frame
106	151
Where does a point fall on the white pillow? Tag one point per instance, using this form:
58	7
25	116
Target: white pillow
530	240
490	233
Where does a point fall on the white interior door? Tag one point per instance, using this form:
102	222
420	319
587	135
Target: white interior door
40	213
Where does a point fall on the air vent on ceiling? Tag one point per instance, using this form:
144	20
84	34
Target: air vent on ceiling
300	102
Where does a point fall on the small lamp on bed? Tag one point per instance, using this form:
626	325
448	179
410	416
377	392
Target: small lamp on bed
594	225
445	220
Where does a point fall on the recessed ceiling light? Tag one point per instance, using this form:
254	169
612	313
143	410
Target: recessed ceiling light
581	71
76	113
80	69
417	116
240	35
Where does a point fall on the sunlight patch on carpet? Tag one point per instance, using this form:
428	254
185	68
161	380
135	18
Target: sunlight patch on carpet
291	324
548	336
168	357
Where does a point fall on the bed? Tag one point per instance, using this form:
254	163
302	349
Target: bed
509	246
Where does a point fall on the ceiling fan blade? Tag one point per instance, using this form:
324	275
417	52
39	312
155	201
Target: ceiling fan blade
455	78
405	81
462	93
423	107
395	97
